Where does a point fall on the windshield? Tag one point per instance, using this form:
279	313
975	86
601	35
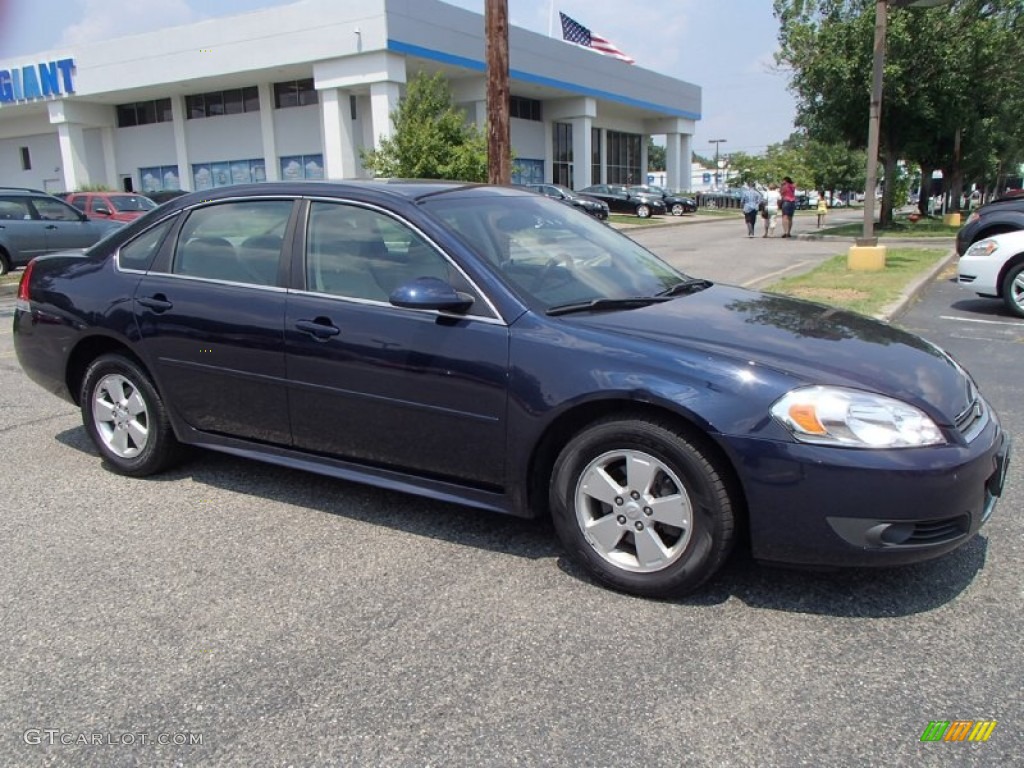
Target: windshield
550	254
129	203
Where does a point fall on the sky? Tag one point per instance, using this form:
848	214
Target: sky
724	46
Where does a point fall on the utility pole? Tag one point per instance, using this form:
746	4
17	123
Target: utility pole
499	152
716	142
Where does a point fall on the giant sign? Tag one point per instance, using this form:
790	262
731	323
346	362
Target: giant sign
37	81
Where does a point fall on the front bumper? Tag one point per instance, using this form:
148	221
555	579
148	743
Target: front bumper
820	506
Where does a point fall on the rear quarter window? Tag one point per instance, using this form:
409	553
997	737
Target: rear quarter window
138	254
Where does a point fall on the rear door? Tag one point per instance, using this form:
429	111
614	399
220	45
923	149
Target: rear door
211	313
413	390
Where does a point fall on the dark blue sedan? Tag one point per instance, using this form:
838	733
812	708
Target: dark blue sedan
496	348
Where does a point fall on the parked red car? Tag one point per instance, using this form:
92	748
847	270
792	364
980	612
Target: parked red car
116	206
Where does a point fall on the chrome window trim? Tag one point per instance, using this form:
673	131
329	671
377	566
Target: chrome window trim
275	288
388	305
497	317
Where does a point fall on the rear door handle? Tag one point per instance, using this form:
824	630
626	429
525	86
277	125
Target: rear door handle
321	328
157	303
51	226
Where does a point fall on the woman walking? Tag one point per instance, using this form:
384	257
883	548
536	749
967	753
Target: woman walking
788	195
750	199
771	210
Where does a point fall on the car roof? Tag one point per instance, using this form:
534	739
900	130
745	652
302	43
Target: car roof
414	190
25	190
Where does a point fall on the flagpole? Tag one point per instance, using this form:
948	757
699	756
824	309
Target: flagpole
551	18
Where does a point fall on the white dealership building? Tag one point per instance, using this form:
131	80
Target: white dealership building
297	91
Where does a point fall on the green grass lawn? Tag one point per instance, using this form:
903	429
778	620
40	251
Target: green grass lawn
865	292
900	227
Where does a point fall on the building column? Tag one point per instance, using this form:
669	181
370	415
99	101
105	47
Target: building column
271	161
72	149
582	147
686	161
339	144
109	157
384	98
674	178
181	142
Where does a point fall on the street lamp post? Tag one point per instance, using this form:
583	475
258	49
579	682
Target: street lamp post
716	142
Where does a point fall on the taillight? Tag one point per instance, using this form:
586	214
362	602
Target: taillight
26	276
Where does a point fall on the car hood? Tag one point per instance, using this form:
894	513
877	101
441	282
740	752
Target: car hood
812	343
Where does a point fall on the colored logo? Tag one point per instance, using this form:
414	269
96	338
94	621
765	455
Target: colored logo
958	730
37	81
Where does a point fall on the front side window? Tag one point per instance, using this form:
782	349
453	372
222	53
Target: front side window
360	253
239	242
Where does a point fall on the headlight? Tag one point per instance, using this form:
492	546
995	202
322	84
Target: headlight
982	248
854	419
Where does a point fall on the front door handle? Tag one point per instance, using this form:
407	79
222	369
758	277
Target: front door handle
51	226
321	328
157	303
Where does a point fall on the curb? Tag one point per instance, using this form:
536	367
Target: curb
894	310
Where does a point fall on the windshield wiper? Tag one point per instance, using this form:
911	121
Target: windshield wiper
690	285
598	305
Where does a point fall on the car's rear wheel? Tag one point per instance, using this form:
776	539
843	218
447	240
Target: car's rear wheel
126	417
678	209
5	263
642	506
1013	290
643	211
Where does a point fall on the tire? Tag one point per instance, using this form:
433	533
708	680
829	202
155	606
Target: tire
1013	290
677	209
126	418
5	263
643	211
658	514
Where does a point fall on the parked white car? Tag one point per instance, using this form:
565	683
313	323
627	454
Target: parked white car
994	267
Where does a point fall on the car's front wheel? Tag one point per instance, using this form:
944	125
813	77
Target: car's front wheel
126	417
1013	290
643	211
678	209
642	506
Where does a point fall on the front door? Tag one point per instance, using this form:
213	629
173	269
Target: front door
413	390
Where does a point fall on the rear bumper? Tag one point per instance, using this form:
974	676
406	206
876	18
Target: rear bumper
838	507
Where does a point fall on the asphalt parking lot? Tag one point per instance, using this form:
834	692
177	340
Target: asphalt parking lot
280	618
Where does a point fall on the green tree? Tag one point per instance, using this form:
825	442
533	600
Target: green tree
953	76
655	156
432	139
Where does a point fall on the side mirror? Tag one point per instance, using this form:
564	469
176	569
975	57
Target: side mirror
101	209
430	293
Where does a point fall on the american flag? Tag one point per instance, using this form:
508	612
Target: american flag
574	32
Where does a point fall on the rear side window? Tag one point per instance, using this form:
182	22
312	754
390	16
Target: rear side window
139	253
12	208
239	242
79	202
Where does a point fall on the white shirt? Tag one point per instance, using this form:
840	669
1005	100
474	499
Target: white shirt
771	200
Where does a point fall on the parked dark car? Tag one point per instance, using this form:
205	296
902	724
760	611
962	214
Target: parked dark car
1003	215
675	204
620	199
493	347
115	206
33	223
596	208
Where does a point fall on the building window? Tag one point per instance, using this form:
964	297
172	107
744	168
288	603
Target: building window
233	101
561	164
26	159
302	167
624	165
144	113
159	177
295	93
527	171
226	173
595	156
523	108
